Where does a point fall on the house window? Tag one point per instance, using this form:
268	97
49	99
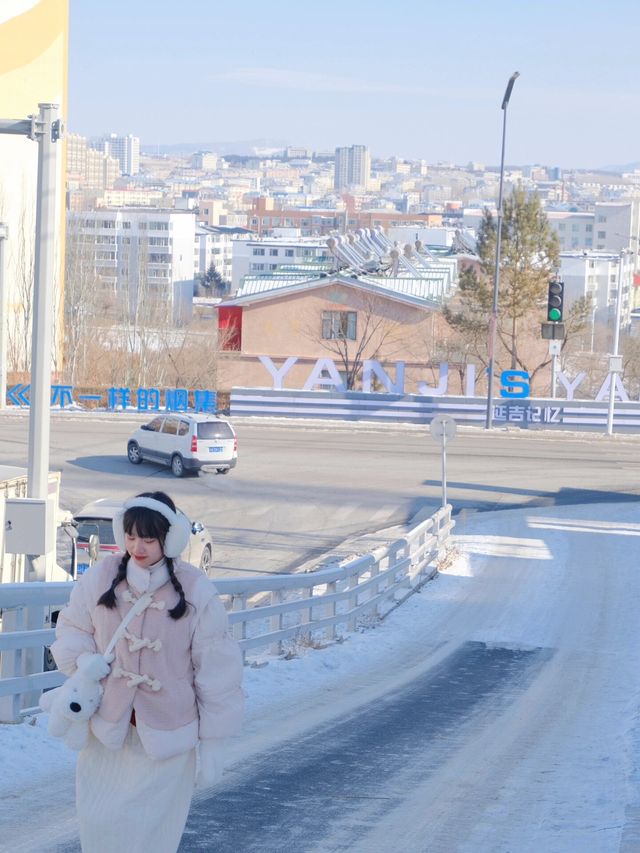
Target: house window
288	253
273	252
258	251
602	235
339	325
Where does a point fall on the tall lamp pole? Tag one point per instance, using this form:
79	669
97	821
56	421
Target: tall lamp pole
615	360
493	323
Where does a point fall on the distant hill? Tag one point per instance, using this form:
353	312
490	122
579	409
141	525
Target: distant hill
248	147
627	167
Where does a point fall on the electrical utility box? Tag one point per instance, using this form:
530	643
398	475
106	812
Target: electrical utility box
29	525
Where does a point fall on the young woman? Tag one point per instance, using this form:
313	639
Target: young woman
174	684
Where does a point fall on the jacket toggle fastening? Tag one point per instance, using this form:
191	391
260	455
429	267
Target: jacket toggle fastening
136	679
137	643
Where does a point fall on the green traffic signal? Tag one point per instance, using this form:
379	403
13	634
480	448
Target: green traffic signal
555	301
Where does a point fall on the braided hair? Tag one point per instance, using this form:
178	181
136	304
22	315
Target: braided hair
149	525
108	598
181	607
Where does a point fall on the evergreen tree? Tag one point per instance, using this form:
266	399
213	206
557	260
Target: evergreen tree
529	257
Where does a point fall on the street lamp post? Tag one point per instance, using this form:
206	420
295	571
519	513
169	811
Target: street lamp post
493	323
615	361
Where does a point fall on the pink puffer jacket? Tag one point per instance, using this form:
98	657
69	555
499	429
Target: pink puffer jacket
182	677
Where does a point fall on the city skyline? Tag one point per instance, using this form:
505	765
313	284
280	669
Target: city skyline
424	83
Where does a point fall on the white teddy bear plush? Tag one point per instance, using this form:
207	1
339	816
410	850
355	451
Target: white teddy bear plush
72	705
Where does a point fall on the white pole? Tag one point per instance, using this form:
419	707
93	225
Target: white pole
444	468
47	129
616	342
3	321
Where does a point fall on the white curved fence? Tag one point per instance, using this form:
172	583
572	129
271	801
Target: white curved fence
264	612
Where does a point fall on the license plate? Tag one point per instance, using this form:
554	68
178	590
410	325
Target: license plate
216	449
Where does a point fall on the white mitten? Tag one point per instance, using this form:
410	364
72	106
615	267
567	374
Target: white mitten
210	762
93	666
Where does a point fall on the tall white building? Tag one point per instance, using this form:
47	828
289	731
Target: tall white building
214	245
143	259
352	167
125	149
598	275
611	227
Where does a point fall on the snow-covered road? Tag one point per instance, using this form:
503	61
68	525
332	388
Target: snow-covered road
497	710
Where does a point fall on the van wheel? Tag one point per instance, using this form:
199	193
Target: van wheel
177	466
133	453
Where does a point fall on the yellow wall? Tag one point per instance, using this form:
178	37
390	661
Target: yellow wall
33	70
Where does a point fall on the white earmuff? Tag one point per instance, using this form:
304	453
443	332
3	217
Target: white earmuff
179	532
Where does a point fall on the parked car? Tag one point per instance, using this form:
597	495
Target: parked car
95	519
185	443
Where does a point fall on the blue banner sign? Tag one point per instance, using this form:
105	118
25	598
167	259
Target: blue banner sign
124	399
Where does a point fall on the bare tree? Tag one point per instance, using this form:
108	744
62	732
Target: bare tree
370	332
22	261
80	302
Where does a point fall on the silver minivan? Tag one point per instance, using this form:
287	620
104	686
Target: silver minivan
185	442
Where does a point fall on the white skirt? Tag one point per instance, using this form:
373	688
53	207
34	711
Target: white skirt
129	802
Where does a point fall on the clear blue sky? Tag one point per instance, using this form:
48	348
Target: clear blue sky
415	78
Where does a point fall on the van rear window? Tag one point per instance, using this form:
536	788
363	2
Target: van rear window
88	526
214	429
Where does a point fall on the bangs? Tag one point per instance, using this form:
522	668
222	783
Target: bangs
148	524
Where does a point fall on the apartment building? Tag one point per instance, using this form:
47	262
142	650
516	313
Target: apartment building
266	215
574	230
611	227
352	167
598	275
125	149
272	255
204	161
143	259
215	245
88	169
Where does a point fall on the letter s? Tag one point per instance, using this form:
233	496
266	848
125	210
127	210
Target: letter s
515	383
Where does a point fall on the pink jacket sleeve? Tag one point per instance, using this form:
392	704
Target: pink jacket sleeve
217	664
74	628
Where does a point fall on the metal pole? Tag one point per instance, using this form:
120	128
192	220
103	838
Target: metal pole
444	468
3	321
616	341
493	322
554	370
47	132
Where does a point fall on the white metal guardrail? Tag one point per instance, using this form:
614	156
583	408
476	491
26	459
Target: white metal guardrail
264	612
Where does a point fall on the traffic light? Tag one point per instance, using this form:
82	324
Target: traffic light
555	300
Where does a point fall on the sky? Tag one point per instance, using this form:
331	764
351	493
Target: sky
523	579
412	78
